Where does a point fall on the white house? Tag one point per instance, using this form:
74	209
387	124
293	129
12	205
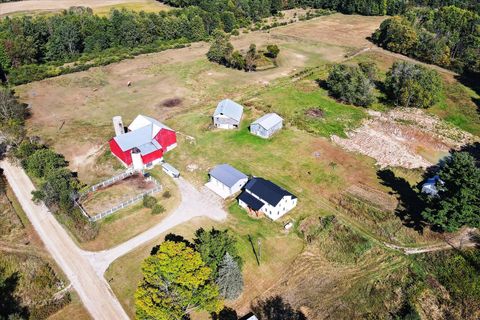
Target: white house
225	180
227	115
267	125
263	196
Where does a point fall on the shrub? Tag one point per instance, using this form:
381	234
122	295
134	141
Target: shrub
351	85
412	85
158	209
149	201
272	51
166	194
369	69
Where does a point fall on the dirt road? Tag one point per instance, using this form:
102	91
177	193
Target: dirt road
195	203
94	291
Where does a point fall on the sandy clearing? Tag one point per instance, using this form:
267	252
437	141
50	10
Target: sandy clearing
55	5
407	138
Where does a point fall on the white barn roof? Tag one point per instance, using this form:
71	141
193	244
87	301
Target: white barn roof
141	135
268	121
230	109
227	174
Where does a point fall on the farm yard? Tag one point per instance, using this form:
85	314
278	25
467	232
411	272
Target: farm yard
321	155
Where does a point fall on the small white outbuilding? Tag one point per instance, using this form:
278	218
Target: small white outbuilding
225	180
267	125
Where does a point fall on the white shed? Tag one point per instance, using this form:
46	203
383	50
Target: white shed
227	115
267	125
225	180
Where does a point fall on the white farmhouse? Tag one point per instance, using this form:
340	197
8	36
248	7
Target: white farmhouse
225	180
267	125
227	115
263	196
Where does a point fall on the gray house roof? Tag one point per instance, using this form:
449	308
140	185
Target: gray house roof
134	138
227	174
230	109
268	121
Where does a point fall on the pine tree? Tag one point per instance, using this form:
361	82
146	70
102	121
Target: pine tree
230	279
458	202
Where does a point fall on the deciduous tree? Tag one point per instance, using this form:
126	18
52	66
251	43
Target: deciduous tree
175	282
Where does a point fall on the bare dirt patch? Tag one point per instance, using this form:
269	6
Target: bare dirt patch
315	113
406	138
172	102
104	198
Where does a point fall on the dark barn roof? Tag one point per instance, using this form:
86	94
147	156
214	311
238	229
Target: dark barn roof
267	190
251	201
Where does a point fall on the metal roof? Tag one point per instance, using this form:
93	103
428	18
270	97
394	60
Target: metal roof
251	201
147	148
267	190
268	121
230	109
227	174
134	138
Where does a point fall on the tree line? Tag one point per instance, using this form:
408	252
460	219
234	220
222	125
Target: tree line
57	186
448	37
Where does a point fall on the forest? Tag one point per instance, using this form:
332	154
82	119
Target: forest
33	48
448	37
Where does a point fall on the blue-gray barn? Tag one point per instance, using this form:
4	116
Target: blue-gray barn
267	125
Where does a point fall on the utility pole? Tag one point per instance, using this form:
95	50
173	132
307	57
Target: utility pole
259	242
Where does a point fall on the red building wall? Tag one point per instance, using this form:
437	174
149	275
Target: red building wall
125	156
166	138
152	156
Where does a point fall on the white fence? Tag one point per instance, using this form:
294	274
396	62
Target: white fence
125	203
158	187
108	182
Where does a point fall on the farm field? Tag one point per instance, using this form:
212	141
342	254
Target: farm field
336	262
30	7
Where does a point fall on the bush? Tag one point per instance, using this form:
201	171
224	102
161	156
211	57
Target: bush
158	209
412	85
272	51
149	201
351	85
369	69
166	194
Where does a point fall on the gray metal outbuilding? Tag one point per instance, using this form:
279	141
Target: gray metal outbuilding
267	125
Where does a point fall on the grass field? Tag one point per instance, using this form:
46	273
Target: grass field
102	8
338	268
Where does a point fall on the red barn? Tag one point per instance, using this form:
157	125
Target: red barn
144	144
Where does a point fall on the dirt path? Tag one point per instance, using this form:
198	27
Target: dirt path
55	5
195	203
94	291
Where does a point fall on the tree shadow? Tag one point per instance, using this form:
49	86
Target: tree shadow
226	314
474	150
174	238
10	306
473	82
410	205
275	308
322	83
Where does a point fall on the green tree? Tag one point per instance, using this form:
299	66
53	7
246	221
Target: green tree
351	85
237	61
221	49
12	116
228	21
58	190
250	58
230	279
412	85
175	282
43	162
369	69
272	51
397	35
458	200
213	245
